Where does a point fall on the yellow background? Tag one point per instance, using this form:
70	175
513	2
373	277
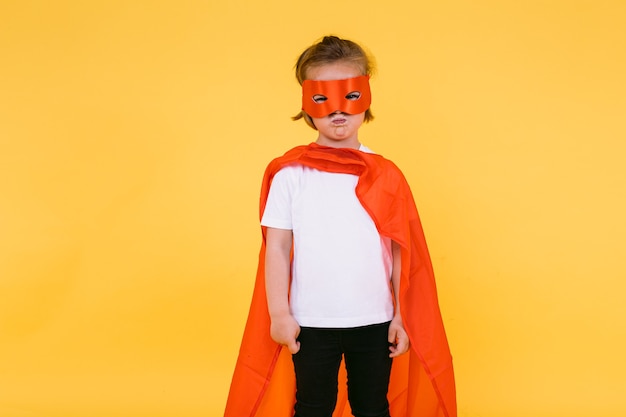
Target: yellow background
133	137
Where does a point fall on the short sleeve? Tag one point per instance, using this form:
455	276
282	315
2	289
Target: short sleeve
277	213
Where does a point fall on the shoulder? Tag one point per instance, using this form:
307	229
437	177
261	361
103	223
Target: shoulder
384	175
288	173
384	165
288	158
284	170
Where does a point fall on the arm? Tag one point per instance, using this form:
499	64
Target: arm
397	334
284	328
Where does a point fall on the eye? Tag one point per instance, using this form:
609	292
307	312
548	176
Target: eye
355	95
318	98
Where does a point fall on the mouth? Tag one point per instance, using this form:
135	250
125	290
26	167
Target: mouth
338	120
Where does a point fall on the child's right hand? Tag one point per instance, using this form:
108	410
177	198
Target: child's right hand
285	330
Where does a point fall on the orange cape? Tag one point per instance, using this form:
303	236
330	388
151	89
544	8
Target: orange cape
422	380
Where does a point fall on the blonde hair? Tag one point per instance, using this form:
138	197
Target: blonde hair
329	50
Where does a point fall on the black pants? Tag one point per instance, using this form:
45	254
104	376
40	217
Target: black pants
366	353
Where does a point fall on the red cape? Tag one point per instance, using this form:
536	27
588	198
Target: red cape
422	380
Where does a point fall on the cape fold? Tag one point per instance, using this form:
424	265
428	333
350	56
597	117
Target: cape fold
422	380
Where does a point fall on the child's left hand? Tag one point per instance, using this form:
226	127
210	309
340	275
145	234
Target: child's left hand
397	337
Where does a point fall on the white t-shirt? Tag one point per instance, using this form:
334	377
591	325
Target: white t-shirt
342	266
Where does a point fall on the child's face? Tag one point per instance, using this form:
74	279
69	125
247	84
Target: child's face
337	129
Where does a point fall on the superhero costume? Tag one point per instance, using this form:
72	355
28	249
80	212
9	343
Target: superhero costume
422	380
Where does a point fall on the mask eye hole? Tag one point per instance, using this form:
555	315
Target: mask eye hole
319	98
354	95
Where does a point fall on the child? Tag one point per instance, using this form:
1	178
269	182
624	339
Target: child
344	279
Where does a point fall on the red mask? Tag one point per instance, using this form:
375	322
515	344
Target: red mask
351	96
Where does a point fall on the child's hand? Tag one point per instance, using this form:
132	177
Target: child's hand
397	337
285	330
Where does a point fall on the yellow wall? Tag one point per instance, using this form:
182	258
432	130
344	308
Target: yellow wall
133	136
